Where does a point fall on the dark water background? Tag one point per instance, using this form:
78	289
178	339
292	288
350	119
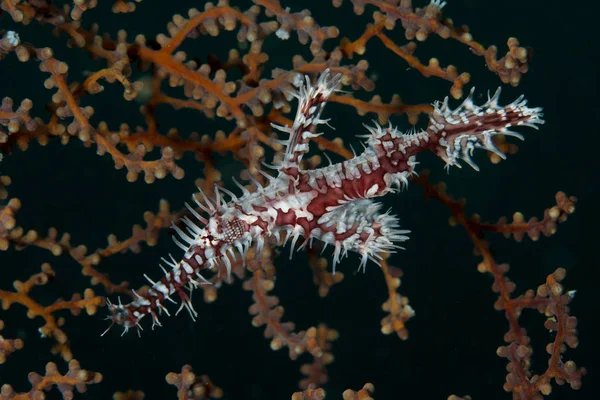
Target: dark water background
455	334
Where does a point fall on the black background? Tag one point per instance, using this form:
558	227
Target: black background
455	334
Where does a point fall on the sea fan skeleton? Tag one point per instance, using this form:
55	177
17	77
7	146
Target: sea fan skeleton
333	204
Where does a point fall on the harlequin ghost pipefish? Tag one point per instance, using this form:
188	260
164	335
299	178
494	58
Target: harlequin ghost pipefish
333	204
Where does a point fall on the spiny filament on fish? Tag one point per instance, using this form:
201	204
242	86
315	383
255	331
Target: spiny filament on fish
333	204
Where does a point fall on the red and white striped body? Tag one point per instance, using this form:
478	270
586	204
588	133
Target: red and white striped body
333	204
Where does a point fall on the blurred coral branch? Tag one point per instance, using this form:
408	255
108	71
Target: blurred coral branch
246	93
